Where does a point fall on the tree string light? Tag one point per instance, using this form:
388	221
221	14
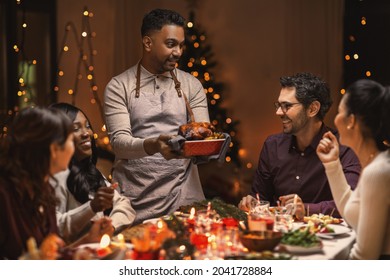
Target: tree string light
197	60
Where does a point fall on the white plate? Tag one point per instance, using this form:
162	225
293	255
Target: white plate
152	221
97	245
302	250
338	230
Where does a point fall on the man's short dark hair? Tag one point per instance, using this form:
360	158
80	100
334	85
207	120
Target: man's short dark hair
309	88
156	19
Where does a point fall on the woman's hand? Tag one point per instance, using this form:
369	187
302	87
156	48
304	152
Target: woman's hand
99	228
103	199
328	148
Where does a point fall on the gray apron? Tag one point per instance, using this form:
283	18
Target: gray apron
155	185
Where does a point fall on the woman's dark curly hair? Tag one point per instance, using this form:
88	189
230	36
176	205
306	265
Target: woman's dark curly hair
84	177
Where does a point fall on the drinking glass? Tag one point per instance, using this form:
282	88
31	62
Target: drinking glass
283	222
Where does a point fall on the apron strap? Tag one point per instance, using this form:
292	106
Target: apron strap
179	93
138	82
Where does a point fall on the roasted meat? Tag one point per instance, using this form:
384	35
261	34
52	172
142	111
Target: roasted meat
196	130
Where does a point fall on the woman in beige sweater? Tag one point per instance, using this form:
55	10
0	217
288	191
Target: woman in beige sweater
363	123
83	193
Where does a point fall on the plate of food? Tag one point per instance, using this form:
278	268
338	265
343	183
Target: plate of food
333	230
300	241
293	249
321	218
91	251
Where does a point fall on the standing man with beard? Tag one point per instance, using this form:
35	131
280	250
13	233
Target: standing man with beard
288	166
144	107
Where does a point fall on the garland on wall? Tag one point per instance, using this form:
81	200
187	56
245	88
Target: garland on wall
85	69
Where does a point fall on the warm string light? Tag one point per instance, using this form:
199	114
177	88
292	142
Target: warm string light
85	61
355	56
26	70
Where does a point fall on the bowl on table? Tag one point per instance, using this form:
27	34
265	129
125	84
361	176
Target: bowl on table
260	240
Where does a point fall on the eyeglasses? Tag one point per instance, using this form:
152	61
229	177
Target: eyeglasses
284	105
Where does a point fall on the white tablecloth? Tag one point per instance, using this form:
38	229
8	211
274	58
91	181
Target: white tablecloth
337	248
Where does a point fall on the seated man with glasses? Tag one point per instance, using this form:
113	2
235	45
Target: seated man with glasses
289	169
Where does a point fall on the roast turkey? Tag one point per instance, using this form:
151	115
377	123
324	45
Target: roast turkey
196	130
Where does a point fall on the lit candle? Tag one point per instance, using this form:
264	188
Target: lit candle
105	241
104	248
191	220
192	213
121	240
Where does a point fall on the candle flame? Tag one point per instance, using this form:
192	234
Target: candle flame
105	241
192	213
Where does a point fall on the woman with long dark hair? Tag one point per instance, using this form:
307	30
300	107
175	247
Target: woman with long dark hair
363	123
39	143
83	192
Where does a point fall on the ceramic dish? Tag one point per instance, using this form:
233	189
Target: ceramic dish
338	230
202	147
300	249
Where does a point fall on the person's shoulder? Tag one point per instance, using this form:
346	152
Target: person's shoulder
62	175
184	76
125	75
277	138
59	179
378	173
381	164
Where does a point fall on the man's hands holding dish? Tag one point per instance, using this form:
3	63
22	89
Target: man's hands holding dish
160	145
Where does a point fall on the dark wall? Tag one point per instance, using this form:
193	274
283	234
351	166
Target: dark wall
370	41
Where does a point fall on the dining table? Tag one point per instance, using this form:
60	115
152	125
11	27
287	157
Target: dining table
334	246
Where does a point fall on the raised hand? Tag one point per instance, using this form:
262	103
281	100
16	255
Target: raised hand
328	148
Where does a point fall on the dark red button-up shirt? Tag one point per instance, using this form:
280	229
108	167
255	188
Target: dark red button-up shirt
283	169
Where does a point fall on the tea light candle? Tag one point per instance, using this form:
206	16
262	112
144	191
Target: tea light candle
104	246
191	220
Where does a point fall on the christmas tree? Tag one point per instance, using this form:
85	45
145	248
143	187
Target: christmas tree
197	59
